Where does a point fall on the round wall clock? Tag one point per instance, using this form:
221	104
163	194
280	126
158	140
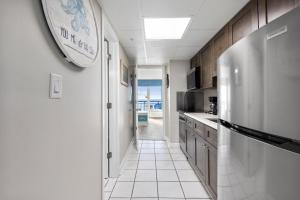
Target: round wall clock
73	26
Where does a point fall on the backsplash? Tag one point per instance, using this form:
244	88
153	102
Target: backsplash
207	93
195	101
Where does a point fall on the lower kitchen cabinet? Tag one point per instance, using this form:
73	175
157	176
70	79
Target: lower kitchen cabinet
212	162
201	150
191	145
182	134
201	157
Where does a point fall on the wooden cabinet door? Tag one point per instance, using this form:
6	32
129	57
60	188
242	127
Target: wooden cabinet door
199	64
198	59
244	23
193	62
191	144
212	163
220	44
272	9
201	157
206	60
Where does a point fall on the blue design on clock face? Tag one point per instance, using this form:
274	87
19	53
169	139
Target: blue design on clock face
77	8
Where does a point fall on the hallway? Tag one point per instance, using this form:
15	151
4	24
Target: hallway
153	131
155	170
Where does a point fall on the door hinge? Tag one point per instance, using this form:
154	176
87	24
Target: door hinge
109	105
109	155
109	56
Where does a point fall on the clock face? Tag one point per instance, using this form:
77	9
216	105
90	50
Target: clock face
72	24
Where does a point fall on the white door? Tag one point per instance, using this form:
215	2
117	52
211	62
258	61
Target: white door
106	138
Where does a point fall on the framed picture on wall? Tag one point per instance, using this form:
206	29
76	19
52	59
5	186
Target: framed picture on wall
124	74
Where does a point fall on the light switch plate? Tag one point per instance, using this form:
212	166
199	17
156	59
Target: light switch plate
56	86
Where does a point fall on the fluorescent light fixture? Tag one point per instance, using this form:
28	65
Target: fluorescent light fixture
165	28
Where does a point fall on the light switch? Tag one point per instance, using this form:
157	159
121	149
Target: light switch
55	86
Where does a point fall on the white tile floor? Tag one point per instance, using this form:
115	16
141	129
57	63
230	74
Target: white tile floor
155	170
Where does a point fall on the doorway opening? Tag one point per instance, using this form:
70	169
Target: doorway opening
150	103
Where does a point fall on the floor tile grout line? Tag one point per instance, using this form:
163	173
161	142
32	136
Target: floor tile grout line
178	178
157	192
113	188
127	181
106	183
134	180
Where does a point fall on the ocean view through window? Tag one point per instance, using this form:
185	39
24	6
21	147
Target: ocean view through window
149	95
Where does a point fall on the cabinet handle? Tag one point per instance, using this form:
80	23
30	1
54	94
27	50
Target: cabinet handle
208	133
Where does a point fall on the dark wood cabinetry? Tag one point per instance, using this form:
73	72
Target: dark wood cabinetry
206	64
201	155
255	14
201	151
219	45
211	136
212	163
244	23
182	133
191	144
269	10
196	61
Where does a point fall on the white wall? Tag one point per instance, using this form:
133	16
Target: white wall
178	70
149	73
49	149
125	118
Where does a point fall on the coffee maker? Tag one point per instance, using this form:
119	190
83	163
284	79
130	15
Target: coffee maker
213	105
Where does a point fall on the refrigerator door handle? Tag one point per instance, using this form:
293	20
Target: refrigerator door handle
277	32
275	140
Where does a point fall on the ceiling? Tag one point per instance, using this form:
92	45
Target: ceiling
208	16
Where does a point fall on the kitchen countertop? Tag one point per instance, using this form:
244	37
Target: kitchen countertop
203	118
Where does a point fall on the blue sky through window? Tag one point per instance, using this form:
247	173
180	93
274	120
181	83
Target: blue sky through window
155	87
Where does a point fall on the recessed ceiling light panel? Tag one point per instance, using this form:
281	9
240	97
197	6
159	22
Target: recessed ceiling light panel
165	28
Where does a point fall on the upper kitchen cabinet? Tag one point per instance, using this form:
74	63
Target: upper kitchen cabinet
206	66
219	45
196	61
254	15
272	9
244	23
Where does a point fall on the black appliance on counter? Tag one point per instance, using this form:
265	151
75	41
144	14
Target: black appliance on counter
213	105
193	79
189	101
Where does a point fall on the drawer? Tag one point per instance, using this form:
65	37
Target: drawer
190	122
211	136
200	129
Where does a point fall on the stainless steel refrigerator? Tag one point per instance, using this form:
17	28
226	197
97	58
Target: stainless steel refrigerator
259	111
